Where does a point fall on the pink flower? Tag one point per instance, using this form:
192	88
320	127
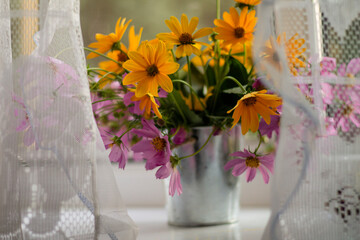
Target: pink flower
180	136
348	113
175	179
23	122
250	162
274	126
328	67
119	151
154	146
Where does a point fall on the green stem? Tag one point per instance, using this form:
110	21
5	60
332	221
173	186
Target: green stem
202	147
235	81
189	78
90	50
106	99
191	90
98	82
260	140
244	54
178	107
62	51
218	9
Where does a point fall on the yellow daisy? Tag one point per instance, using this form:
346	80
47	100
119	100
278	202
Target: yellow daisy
119	56
252	104
247	2
109	42
150	67
293	50
236	28
147	102
183	35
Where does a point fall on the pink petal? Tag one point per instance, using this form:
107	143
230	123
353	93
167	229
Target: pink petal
232	163
264	174
250	174
342	70
354	120
143	146
163	172
29	137
354	66
239	169
175	183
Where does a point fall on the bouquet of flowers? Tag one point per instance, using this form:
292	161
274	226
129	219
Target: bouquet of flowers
149	94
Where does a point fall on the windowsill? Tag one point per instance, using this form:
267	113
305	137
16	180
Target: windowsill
152	223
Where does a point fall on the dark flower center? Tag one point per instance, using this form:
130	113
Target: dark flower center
122	57
239	32
249	101
159	144
185	38
347	110
152	70
252	162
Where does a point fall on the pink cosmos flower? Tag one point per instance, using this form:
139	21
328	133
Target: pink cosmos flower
175	179
250	162
274	126
119	151
328	67
348	113
154	146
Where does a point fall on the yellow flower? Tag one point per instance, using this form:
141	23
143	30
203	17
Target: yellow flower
293	52
248	2
252	104
182	35
108	42
236	28
119	56
197	105
147	102
149	68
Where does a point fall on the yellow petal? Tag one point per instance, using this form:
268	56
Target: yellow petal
134	77
202	33
168	67
184	23
139	59
164	82
192	25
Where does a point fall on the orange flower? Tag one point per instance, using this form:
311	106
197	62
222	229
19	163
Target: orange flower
150	67
109	42
236	28
182	35
293	52
119	56
147	102
252	104
247	2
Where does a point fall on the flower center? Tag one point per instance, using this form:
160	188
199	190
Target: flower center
122	57
152	70
239	32
252	162
250	101
185	38
159	144
347	110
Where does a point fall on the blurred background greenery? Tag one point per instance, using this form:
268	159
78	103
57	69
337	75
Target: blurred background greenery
101	16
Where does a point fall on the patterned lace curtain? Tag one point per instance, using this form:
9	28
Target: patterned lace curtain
56	181
309	52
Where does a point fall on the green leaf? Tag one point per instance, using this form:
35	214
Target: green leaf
210	73
238	71
192	118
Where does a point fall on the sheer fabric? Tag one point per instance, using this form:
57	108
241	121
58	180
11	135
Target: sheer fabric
316	188
56	181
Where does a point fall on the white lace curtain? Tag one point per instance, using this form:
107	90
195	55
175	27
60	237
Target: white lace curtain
56	181
316	185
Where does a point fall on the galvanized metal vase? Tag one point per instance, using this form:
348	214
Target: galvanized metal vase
210	195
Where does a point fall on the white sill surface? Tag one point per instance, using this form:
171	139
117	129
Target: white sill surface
152	223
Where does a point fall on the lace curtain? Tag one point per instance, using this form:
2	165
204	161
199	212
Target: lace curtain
309	52
56	181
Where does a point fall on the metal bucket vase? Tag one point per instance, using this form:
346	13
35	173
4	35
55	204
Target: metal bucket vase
211	195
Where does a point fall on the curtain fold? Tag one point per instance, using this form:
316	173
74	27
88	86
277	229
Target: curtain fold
56	181
309	52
